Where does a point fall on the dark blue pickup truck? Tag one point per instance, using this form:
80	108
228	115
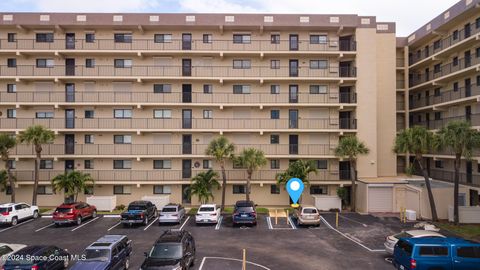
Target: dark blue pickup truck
139	212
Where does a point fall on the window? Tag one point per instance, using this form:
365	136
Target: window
123	63
12	164
454	62
46	164
241	89
162	164
455	35
123	38
318	39
477	23
438	164
406	247
322	164
11	62
122	139
318	64
239	189
89	114
44	37
44	115
11	113
12	37
468	252
275	64
90	63
88	164
207	89
162	114
437	68
275	39
45	63
318	89
121	190
274	189
275	114
241	64
161	189
207	164
437	92
274	164
207	114
162	38
455	86
275	89
433	251
44	190
207	38
274	139
122	113
438	116
89	139
241	38
436	44
477	52
318	189
89	37
162	88
11	88
122	164
478	80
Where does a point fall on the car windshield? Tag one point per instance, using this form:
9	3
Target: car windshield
309	211
4	209
206	209
136	207
5	250
166	251
402	235
169	209
97	254
245	209
63	210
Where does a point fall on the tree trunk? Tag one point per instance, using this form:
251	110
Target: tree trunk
249	178
224	185
353	175
10	180
429	188
36	178
456	166
76	197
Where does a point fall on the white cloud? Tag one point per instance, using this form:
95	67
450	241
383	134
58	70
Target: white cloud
215	6
93	5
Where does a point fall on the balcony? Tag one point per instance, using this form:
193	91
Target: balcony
400	62
400	104
474	119
178	123
400	84
169	149
461	64
149	45
173	98
445	96
448	176
172	72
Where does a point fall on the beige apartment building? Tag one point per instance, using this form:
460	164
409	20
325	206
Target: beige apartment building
134	99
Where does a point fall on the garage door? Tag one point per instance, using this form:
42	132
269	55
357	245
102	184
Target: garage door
380	199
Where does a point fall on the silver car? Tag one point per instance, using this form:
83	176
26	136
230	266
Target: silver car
391	240
8	249
171	213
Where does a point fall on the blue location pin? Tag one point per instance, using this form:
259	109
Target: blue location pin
295	189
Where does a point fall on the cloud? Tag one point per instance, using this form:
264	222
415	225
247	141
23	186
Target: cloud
94	5
217	6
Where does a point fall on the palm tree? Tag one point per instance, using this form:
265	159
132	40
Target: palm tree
461	139
350	147
202	185
300	169
72	183
3	180
222	150
418	141
7	142
36	136
251	159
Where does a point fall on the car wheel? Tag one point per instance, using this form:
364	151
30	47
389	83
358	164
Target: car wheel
79	220
127	263
35	214
145	222
14	221
94	214
57	225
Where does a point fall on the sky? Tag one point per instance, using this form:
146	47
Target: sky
408	14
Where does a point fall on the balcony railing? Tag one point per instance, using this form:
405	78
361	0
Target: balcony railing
175	45
177	123
449	176
474	119
400	104
460	64
449	152
400	84
400	62
445	96
174	71
443	44
168	149
150	97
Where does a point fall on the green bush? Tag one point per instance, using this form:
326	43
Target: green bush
120	207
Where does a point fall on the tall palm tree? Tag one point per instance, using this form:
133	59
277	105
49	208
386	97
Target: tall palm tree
72	183
251	159
203	184
221	150
350	147
418	141
7	142
461	139
3	180
300	169
36	136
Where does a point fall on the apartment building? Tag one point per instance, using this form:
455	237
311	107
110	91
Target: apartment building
134	99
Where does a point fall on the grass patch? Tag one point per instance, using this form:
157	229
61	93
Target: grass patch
192	211
261	210
114	212
43	210
466	231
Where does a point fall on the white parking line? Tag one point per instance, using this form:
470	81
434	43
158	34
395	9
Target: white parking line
230	259
81	225
291	223
148	226
183	225
19	224
219	223
111	228
352	220
270	225
49	225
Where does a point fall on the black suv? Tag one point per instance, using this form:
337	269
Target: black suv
139	212
173	250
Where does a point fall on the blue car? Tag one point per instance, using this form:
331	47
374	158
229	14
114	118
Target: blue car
109	252
436	253
244	213
39	258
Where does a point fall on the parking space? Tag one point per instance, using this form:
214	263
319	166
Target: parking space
220	263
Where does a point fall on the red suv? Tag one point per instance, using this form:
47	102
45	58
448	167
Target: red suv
73	213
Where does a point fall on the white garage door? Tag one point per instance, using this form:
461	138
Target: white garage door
380	199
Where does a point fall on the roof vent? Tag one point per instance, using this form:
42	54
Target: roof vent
334	19
118	18
8	17
304	19
268	19
154	18
81	18
229	18
446	15
365	21
382	27
190	18
44	18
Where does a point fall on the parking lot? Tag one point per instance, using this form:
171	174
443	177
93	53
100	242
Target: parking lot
268	245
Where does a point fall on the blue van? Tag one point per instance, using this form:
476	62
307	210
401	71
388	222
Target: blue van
436	253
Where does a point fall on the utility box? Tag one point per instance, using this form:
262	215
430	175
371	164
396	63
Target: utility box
411	215
160	200
103	203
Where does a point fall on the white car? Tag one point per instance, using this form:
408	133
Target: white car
208	213
12	213
393	239
8	249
